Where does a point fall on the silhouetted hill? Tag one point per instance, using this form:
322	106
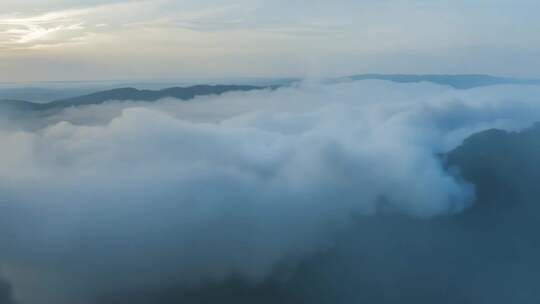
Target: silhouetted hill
505	167
123	94
456	81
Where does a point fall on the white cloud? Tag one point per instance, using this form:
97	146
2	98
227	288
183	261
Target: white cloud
23	32
127	192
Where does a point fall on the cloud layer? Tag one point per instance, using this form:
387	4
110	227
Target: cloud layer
132	194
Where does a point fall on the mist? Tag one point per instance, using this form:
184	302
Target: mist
129	195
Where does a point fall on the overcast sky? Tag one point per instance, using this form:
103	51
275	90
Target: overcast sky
96	39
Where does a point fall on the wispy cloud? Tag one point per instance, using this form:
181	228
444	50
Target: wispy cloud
26	31
342	36
21	32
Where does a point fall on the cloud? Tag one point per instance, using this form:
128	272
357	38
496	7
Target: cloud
22	32
53	28
128	195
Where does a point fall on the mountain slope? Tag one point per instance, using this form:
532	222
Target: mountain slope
6	296
19	105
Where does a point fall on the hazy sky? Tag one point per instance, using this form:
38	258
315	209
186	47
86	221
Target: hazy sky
96	39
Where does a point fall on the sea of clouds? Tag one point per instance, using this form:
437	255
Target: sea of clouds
130	194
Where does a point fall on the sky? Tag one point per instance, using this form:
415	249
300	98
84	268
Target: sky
59	40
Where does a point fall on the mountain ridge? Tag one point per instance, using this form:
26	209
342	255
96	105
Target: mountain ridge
128	93
457	81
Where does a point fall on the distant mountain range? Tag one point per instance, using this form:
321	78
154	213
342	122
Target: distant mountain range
187	93
124	94
455	81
